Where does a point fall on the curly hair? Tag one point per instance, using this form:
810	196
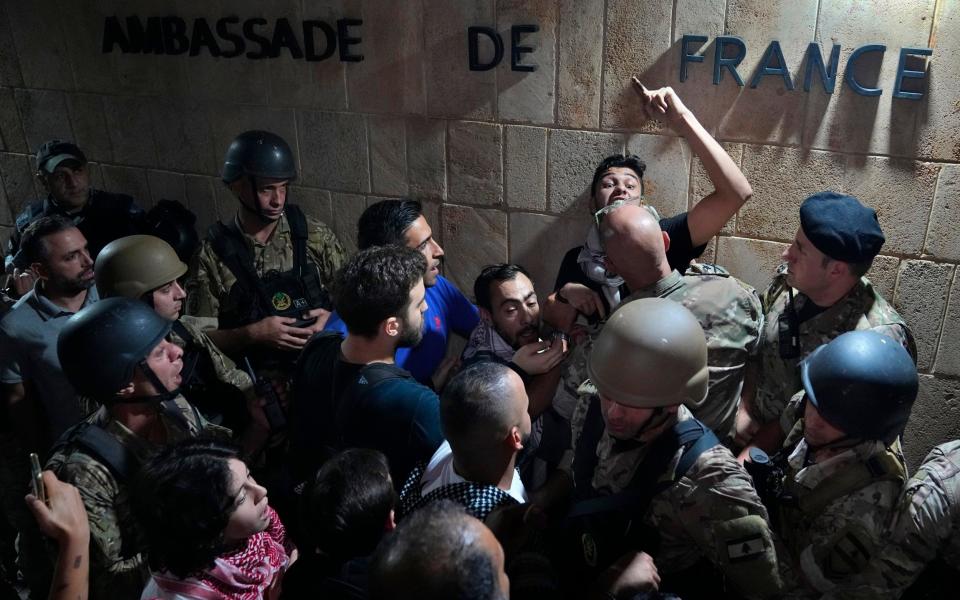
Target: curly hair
375	285
182	501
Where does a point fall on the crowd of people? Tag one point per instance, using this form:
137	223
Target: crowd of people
256	413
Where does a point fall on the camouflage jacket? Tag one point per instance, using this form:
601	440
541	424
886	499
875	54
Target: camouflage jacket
712	512
209	281
732	317
779	378
926	526
835	520
224	368
117	569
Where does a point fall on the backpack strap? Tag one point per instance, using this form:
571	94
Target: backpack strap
309	277
236	256
98	443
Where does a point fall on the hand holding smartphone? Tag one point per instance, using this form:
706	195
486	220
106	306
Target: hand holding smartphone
36	478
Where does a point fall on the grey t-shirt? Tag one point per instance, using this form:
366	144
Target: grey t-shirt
28	355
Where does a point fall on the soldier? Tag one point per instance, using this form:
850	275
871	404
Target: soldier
116	353
842	468
728	310
641	457
101	216
264	275
144	267
819	293
925	530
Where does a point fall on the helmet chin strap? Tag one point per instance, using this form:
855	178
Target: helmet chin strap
157	384
258	211
656	420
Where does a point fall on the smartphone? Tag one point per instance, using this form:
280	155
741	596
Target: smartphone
36	478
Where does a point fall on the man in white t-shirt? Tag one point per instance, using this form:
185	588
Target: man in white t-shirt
483	413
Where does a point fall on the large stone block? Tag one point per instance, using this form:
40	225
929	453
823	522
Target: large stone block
315	203
935	418
938	129
539	242
572	157
164	185
90	126
921	298
11	132
431	212
201	200
127	180
942	239
389	79
628	22
230	121
475	153
316	85
524	95
452	89
184	137
43	114
666	182
770	111
19	183
883	274
901	191
701	186
333	151
225	202
525	168
707	101
346	209
473	238
427	158
851	122
948	352
9	63
82	32
131	130
388	155
579	63
753	261
95	173
782	178
41	47
208	78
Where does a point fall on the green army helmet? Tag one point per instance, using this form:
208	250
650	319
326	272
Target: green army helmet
863	383
258	154
134	265
101	345
651	353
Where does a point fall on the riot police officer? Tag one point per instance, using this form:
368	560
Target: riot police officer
842	466
264	275
649	476
144	267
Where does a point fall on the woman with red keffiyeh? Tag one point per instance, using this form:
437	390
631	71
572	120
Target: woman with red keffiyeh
208	530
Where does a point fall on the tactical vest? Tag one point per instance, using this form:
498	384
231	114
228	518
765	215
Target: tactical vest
288	294
603	528
220	403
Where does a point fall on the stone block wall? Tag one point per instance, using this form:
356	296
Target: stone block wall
502	158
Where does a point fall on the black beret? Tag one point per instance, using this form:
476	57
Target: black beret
840	227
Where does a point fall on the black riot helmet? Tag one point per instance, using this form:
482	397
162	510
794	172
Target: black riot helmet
258	154
101	345
863	383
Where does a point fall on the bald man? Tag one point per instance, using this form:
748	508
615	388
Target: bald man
729	310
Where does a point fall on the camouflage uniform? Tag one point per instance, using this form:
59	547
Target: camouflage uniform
779	378
837	514
224	368
925	527
731	316
711	513
117	569
209	280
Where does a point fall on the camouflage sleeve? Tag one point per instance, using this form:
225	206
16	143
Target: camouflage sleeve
225	369
900	333
115	572
846	535
714	513
325	250
203	285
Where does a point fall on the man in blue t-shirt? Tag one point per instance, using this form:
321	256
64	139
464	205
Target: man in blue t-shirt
401	223
348	392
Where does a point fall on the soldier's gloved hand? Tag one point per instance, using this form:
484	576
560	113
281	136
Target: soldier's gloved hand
279	333
65	519
633	573
586	301
537	358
